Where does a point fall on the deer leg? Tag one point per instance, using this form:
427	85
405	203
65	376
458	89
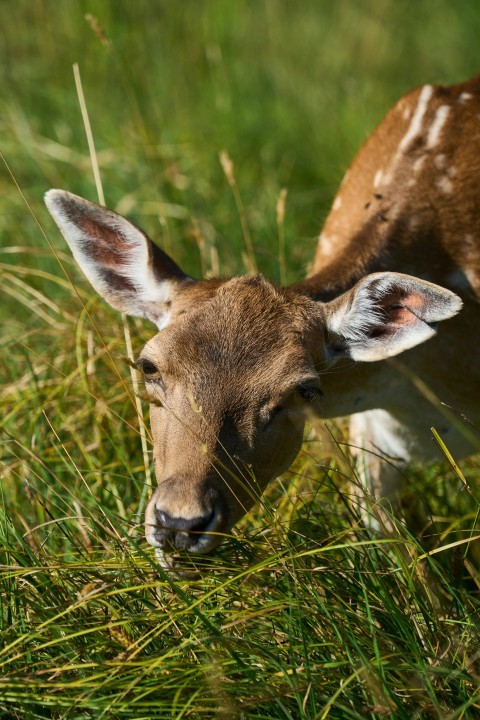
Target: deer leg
379	446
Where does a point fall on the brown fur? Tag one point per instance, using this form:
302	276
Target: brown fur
408	224
237	361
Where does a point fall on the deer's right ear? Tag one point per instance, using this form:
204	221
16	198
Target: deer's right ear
121	262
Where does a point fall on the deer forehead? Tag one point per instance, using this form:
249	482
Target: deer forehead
248	334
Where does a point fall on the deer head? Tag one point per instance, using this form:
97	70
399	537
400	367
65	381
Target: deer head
234	365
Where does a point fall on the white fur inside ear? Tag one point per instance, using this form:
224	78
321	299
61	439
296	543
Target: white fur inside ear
353	320
385	314
115	256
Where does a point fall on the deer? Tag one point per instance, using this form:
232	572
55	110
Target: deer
237	364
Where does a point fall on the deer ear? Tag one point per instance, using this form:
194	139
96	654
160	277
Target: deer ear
385	314
121	262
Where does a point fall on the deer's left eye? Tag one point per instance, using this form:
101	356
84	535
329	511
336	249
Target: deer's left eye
150	371
148	368
309	392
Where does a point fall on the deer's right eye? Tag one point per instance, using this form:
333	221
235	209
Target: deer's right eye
148	368
150	371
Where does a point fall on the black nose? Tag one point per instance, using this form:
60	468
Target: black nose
181	533
197	524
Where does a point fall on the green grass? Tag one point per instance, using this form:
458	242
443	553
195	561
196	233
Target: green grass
303	613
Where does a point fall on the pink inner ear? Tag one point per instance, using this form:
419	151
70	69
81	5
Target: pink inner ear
403	308
103	244
401	316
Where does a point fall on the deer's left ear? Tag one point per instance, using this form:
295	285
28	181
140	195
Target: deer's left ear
385	314
124	266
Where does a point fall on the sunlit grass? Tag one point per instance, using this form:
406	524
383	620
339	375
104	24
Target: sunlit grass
303	613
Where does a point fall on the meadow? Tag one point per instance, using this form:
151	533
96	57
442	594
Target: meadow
303	613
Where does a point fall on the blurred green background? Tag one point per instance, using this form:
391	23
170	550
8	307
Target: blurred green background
288	89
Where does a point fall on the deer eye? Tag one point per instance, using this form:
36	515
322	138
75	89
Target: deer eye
309	392
150	371
148	368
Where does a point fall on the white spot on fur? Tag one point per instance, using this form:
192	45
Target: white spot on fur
444	184
377	180
418	164
417	119
437	126
440	161
413	131
464	97
337	203
407	113
327	243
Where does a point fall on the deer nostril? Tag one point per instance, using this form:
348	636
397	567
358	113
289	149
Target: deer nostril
198	534
179	524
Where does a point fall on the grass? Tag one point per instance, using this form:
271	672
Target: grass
303	613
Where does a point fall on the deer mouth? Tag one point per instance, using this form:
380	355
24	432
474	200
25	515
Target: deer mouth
179	551
197	535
